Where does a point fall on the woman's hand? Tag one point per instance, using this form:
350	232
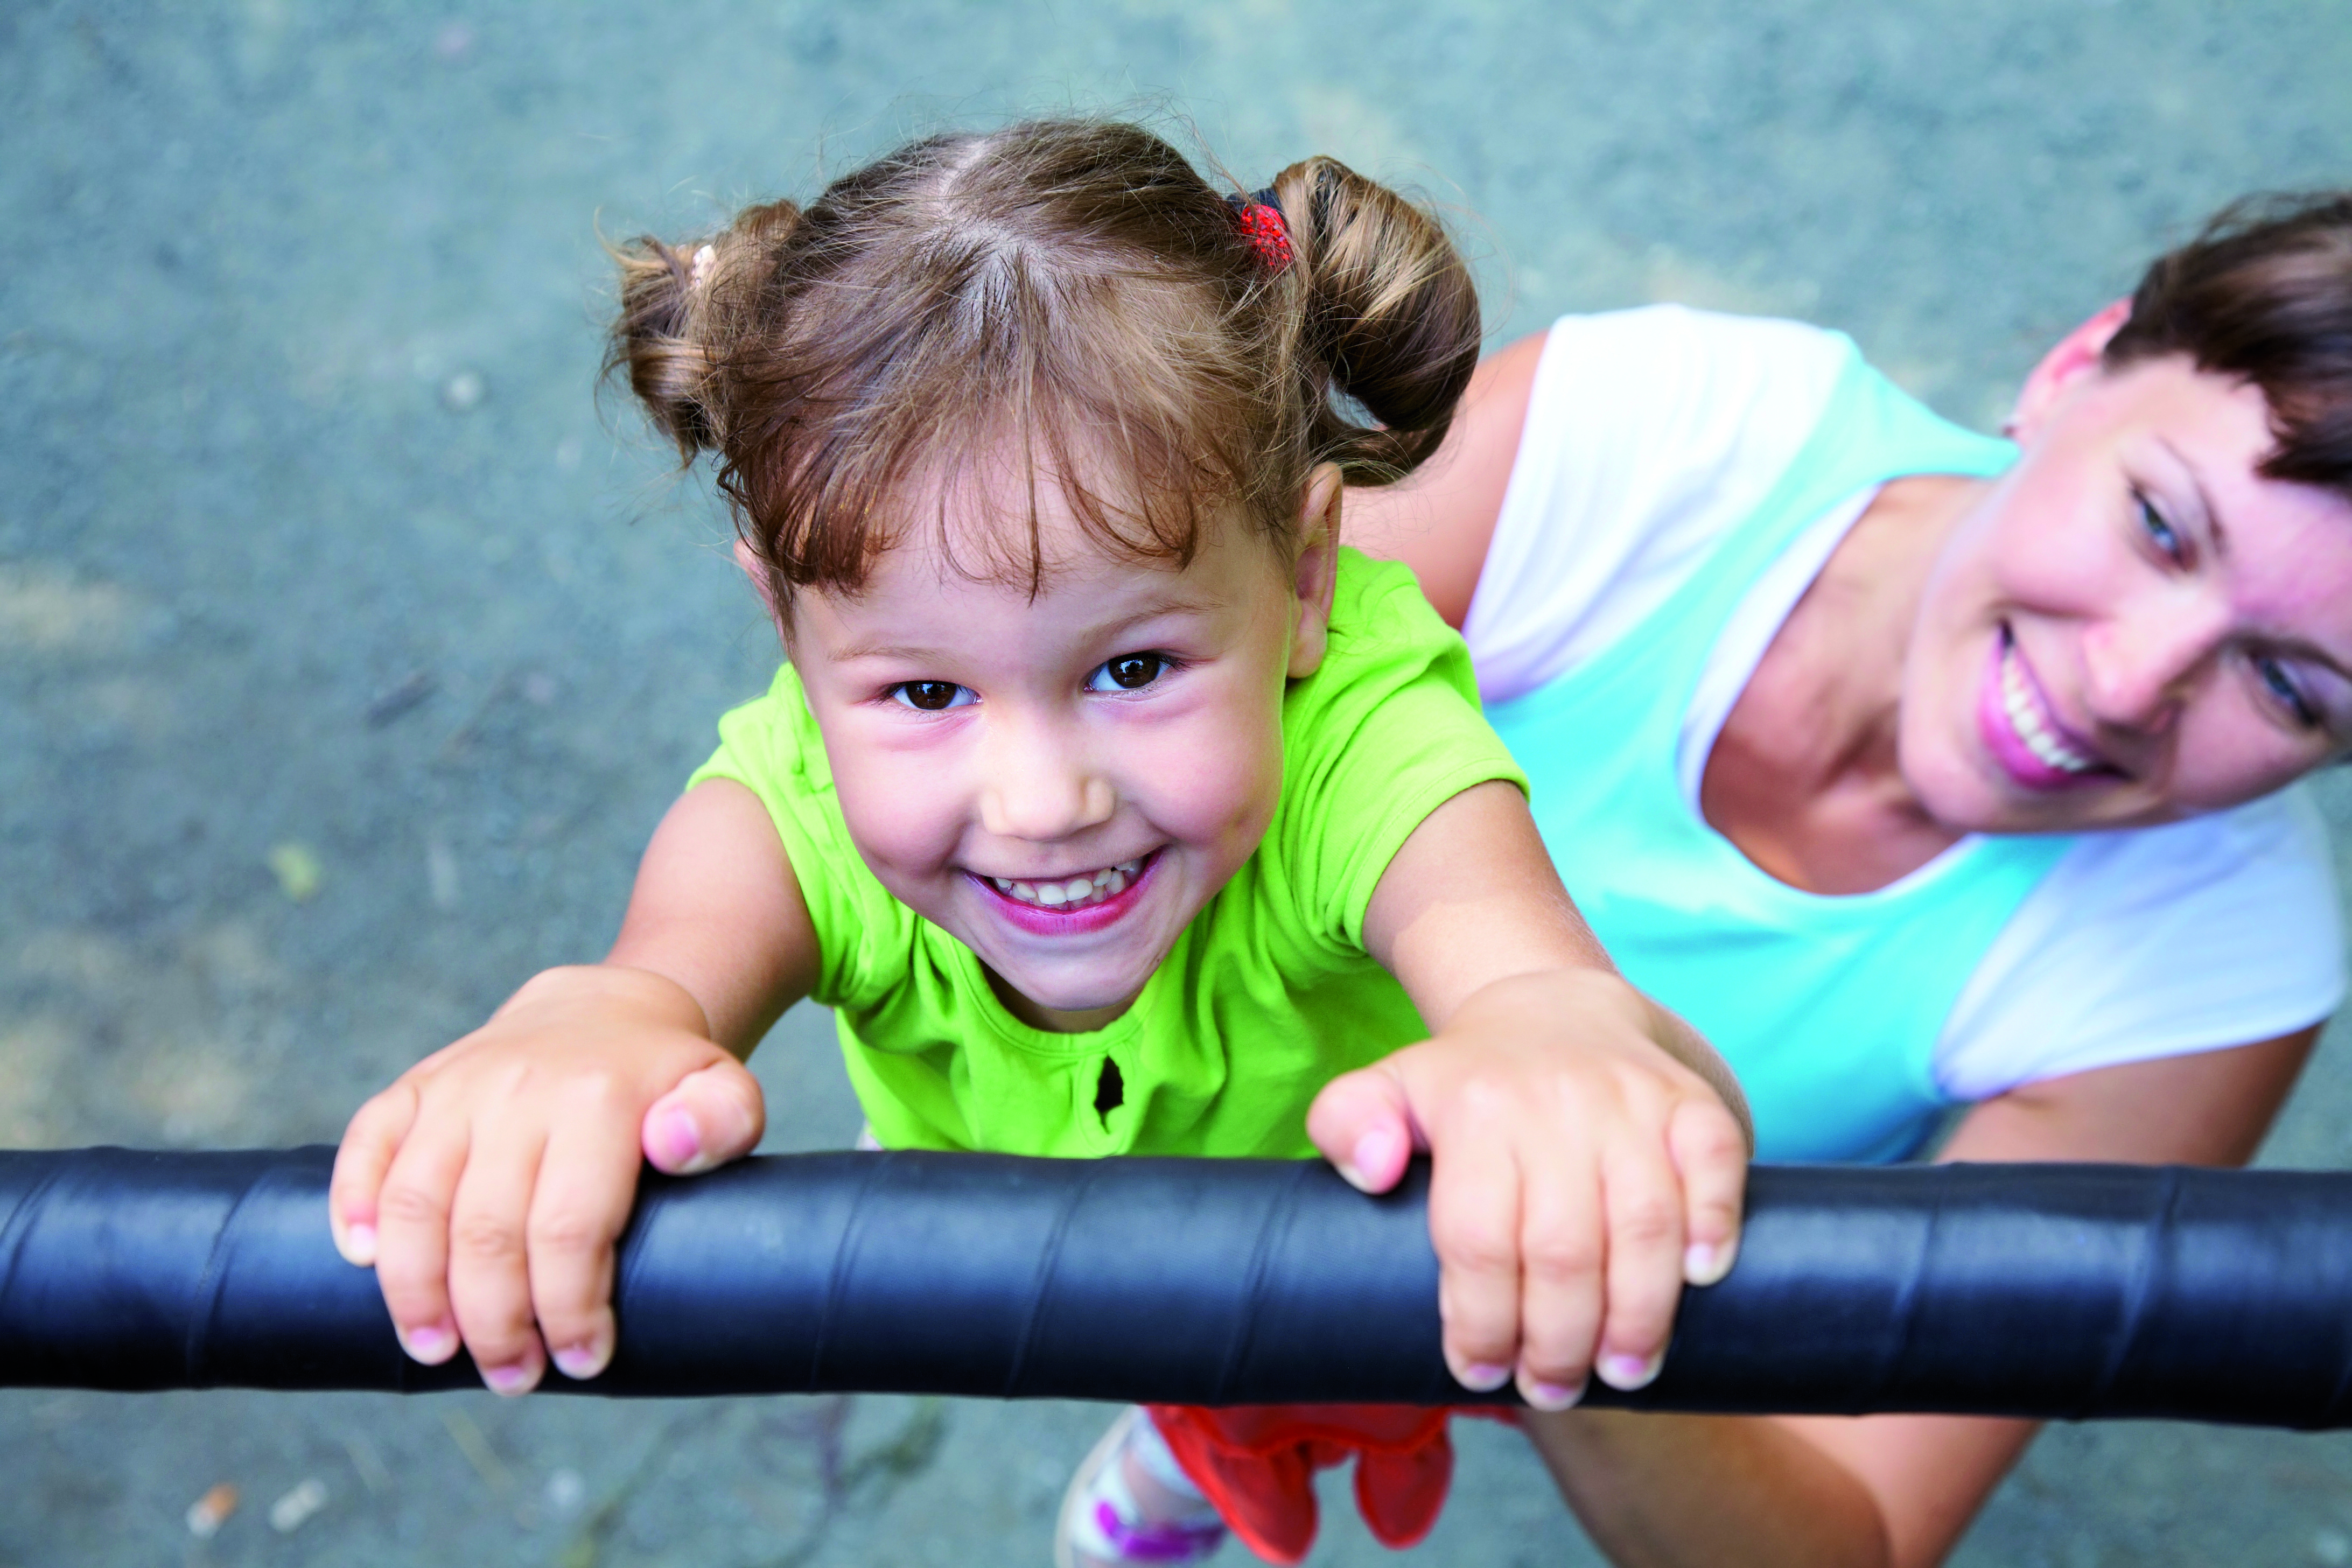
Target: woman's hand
1587	1154
488	1184
1581	1174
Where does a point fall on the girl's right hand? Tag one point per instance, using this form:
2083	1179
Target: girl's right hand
488	1184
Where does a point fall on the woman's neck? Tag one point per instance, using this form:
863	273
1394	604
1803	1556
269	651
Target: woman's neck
1805	778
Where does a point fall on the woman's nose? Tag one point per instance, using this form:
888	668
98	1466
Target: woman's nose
2142	666
1040	786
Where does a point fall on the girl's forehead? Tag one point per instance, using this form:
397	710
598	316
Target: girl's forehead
936	584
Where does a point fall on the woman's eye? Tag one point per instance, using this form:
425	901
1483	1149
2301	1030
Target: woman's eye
2288	695
932	695
1128	672
2159	531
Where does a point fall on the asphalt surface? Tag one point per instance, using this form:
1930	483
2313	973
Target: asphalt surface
348	653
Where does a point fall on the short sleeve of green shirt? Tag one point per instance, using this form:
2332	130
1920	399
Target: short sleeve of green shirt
1384	734
1267	995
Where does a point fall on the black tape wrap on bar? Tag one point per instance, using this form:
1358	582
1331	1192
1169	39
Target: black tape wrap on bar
2055	1291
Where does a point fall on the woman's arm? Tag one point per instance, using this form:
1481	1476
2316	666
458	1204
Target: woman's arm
1894	1491
1440	521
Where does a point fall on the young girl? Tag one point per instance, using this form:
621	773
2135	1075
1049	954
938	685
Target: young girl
1112	804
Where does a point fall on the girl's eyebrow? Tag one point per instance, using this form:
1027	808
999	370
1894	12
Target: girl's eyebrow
1170	603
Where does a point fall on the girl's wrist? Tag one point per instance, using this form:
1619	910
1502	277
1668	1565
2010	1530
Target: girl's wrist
652	995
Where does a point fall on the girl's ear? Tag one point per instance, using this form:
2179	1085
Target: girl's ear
2076	356
1315	577
761	583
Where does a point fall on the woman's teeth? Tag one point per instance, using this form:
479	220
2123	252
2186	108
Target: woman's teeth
1072	892
2025	718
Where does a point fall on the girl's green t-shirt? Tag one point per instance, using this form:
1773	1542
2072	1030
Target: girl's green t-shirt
1267	994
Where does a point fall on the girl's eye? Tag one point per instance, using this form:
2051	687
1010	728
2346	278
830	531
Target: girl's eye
1128	672
932	695
2290	696
2160	531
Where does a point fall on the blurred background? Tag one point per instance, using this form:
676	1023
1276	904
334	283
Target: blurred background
348	651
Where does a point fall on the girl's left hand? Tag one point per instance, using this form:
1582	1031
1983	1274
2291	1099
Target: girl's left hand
1582	1173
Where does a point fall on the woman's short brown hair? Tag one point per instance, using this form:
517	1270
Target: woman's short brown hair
2264	295
1065	303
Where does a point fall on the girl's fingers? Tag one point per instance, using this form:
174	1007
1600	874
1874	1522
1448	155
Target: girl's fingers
1362	1124
713	1115
1562	1251
413	1240
369	1144
586	1183
489	1270
1474	1227
1711	1156
1644	1207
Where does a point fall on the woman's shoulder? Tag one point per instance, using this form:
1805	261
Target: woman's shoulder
2195	935
1650	434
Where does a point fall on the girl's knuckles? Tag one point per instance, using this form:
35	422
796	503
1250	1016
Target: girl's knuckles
571	1230
1653	1220
400	1202
486	1238
1555	1261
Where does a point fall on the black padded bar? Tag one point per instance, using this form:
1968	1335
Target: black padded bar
2055	1290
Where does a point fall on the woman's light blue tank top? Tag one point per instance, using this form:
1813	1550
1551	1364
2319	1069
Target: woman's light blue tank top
1827	1007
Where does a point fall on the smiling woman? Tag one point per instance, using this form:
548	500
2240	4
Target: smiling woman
1941	781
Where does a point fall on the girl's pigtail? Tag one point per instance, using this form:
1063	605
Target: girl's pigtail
1392	318
679	305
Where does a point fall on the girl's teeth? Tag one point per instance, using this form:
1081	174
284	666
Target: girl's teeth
1092	887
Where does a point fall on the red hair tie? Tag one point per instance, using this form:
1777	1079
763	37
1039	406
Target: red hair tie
1262	225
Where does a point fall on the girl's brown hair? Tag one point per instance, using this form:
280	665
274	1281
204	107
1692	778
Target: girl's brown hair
2264	295
1058	302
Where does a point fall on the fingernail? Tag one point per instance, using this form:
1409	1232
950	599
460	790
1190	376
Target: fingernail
1550	1396
1705	1263
678	1142
1480	1377
581	1363
1630	1372
516	1377
1374	1152
430	1345
359	1244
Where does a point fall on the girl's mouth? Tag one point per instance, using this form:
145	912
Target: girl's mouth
2031	746
1079	902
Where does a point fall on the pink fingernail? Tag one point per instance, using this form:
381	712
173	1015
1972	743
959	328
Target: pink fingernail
1705	1263
358	1243
1630	1372
581	1363
677	1143
430	1345
1482	1378
1373	1153
514	1378
1552	1395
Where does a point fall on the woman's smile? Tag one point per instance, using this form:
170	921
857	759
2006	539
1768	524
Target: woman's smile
2033	746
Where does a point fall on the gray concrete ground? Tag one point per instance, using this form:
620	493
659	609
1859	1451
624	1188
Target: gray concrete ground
346	657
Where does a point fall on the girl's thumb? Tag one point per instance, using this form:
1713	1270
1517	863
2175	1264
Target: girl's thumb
712	1116
1363	1125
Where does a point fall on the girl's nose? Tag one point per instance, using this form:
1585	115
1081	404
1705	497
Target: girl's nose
1039	788
2141	666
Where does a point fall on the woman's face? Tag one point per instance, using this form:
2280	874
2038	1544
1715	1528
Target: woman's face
2131	626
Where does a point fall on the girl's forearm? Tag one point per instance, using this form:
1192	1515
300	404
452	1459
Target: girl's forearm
1704	1491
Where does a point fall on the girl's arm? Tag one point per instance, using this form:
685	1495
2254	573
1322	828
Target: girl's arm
1662	1491
1440	521
1585	1163
489	1184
